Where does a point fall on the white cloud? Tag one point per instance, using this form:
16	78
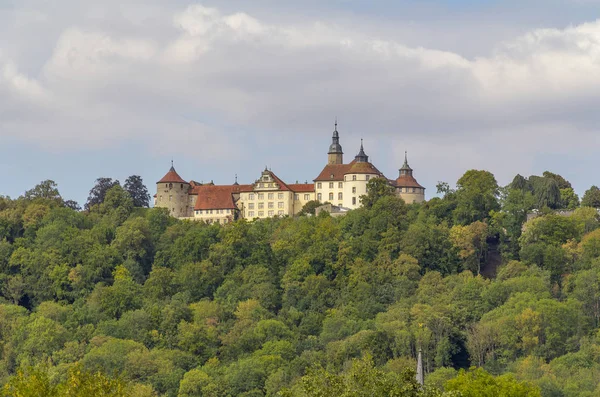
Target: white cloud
212	78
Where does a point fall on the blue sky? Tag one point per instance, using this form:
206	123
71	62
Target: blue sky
115	88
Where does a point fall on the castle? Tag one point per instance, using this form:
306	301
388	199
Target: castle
338	183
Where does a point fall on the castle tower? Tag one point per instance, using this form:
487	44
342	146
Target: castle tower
172	192
407	187
335	154
361	157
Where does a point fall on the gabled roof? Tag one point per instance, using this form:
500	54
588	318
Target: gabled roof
214	197
172	177
302	187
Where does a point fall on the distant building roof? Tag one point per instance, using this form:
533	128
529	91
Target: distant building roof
302	187
334	172
214	197
363	168
406	181
172	177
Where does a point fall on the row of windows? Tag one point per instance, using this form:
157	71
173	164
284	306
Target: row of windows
340	184
208	212
262	213
261	196
170	185
411	190
262	205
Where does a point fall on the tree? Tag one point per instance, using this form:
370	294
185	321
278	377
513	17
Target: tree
138	191
72	204
562	182
569	199
478	383
44	190
546	192
376	189
98	192
477	195
591	197
309	207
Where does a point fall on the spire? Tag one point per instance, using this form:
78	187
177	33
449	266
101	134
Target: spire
236	182
172	167
335	147
361	157
406	170
420	377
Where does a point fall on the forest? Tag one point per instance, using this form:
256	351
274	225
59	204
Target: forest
498	287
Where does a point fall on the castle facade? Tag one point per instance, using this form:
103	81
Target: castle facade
338	183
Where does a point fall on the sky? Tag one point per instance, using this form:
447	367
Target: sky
118	88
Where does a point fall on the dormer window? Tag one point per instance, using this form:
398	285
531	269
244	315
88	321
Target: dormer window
331	176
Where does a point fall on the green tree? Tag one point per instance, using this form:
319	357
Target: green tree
591	197
376	189
476	195
134	185
478	383
98	192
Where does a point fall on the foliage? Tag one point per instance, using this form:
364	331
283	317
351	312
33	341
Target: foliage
122	300
591	198
98	192
134	185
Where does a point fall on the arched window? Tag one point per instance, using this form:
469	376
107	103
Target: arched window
330	196
339	196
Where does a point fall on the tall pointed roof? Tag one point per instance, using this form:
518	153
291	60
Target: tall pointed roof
405	166
172	176
335	146
361	157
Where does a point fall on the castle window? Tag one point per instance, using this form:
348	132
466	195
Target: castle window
296	197
354	189
332	176
265	178
170	198
181	186
270	213
280	196
331	185
307	197
353	177
368	177
251	206
251	196
340	185
319	196
196	212
319	185
261	213
200	212
261	196
271	205
280	204
170	186
160	198
261	184
330	196
270	196
251	214
414	190
261	206
166	185
339	196
280	213
353	200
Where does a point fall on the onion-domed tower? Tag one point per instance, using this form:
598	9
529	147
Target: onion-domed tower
335	154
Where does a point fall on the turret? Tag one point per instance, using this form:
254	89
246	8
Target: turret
335	154
407	186
172	192
361	157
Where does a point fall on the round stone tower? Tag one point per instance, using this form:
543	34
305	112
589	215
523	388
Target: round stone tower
407	186
172	193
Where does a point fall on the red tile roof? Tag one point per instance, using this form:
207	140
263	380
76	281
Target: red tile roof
333	172
172	177
302	187
214	197
363	168
406	181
